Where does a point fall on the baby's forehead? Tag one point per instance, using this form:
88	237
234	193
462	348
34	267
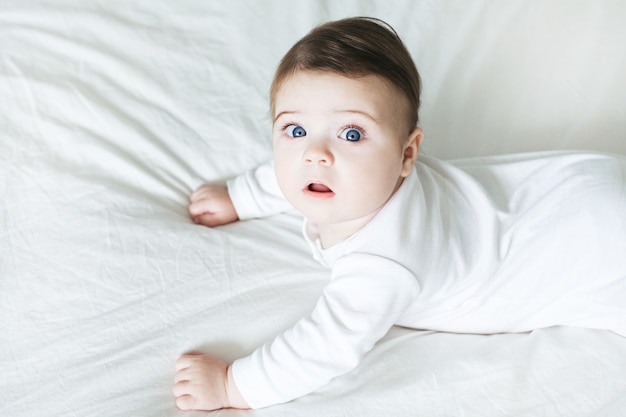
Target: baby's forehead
309	89
304	75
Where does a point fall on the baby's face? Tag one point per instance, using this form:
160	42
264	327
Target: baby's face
339	144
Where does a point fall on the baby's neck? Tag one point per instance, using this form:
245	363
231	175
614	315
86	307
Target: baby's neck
332	234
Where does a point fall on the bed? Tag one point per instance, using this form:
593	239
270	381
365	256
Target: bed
111	113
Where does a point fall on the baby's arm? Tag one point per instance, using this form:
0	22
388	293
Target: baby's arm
366	296
364	299
253	194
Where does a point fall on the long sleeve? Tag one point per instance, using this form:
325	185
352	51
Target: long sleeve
364	298
256	193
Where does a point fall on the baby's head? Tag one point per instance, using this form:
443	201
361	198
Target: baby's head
354	47
344	106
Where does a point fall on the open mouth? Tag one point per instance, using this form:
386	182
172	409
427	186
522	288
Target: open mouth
319	188
318	191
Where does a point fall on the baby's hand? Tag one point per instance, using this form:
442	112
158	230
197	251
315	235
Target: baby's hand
211	206
204	382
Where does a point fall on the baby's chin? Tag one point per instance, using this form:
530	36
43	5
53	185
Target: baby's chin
316	217
328	212
319	217
332	220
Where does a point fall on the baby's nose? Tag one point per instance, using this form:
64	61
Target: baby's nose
318	153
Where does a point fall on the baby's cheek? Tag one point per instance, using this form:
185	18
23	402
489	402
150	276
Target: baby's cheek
288	186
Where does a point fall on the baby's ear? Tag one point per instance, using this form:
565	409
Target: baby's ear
411	150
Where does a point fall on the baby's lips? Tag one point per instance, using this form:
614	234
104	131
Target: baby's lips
319	188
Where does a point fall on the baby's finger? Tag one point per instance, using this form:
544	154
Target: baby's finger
181	388
186	360
197	209
208	219
182	375
198	194
183	362
185	402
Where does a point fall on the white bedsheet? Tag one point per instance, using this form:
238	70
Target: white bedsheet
111	113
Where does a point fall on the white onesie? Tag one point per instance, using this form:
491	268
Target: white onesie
499	244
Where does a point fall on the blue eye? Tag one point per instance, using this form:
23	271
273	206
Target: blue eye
351	134
295	131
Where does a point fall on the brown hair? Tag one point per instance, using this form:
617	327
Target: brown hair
354	47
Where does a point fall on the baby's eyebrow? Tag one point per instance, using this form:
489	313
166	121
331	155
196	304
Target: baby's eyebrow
361	112
282	113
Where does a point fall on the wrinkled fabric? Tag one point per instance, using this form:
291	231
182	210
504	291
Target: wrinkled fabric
111	113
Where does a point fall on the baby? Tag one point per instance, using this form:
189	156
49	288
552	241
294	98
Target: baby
414	243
